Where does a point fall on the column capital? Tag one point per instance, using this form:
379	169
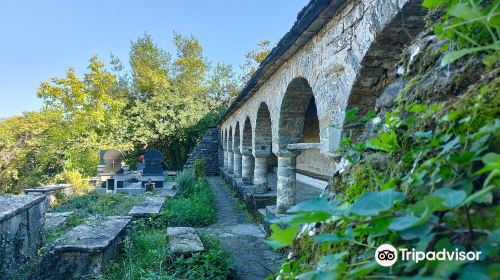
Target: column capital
287	153
247	151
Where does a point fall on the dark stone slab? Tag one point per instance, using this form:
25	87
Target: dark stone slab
153	160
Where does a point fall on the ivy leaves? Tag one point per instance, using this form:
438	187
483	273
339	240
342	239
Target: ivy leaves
372	203
473	26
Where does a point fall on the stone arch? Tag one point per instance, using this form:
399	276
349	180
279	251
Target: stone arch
297	100
378	69
230	139
263	132
246	140
237	138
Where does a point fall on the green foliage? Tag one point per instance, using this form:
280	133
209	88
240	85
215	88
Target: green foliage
254	58
185	183
444	171
472	25
214	263
147	257
199	169
165	102
195	210
174	99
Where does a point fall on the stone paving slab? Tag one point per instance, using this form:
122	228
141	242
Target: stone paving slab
150	206
56	219
244	240
183	240
93	236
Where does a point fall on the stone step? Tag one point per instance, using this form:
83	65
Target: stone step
56	219
151	206
183	240
85	249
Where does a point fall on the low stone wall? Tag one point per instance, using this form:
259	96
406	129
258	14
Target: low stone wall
52	191
21	225
82	252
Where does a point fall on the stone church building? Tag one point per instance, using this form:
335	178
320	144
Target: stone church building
280	135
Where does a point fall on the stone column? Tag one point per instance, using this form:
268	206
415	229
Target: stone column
287	188
260	174
237	163
230	165
247	167
225	159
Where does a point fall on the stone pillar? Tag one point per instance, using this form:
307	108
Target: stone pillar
287	188
226	159
230	165
260	174
237	163
247	167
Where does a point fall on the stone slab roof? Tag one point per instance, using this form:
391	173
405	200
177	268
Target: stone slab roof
11	205
310	20
92	236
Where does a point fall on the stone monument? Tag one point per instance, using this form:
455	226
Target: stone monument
153	170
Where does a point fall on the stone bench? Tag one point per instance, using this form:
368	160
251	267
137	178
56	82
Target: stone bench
56	219
85	249
183	240
21	226
152	205
51	191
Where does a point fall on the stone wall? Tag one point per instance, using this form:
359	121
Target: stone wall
208	150
21	225
346	56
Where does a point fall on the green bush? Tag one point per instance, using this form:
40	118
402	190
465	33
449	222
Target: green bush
146	257
195	210
185	182
199	169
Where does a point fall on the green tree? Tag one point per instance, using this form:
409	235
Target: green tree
28	154
90	109
253	59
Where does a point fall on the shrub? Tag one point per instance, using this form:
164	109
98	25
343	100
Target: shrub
195	210
214	263
146	257
199	169
185	182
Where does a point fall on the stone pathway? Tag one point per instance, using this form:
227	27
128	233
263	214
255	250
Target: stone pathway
240	237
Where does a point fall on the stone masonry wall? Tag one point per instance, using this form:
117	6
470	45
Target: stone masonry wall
208	150
331	62
21	225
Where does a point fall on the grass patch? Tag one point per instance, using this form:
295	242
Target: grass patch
146	257
89	206
195	210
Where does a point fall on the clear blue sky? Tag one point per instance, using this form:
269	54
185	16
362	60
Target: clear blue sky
41	39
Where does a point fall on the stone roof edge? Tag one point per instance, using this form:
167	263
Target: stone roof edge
35	200
310	20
